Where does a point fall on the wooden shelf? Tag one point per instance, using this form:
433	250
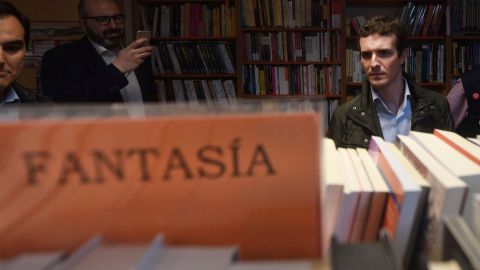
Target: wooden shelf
292	96
288	29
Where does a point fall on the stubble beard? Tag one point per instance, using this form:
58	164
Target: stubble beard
109	43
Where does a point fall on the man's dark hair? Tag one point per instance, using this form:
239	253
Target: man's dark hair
7	9
384	25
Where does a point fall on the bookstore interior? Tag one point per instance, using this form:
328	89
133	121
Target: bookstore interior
233	169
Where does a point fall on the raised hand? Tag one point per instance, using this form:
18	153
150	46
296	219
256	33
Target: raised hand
132	56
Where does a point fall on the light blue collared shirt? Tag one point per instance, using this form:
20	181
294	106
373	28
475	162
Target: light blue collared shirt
394	123
9	106
131	93
10	97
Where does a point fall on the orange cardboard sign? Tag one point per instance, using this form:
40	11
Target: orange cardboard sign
251	180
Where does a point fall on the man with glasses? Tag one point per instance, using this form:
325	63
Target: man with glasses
98	68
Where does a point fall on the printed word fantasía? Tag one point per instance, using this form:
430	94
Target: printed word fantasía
97	166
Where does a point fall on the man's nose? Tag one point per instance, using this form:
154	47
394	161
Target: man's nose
112	23
2	54
374	61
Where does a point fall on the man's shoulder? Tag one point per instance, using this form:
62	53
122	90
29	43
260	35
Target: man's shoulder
432	93
420	92
66	49
27	96
349	104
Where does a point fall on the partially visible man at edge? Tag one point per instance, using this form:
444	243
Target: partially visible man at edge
390	102
97	68
14	37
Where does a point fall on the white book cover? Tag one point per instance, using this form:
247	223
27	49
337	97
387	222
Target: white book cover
190	91
364	203
379	196
419	227
476	215
208	95
403	201
348	206
447	194
222	49
332	183
460	144
178	90
457	163
231	93
220	94
464	246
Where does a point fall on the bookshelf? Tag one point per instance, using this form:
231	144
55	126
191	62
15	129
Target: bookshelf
291	49
464	37
195	48
294	40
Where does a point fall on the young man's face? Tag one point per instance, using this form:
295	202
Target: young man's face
110	35
380	60
12	51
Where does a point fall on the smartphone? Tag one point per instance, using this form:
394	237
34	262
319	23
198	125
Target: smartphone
144	34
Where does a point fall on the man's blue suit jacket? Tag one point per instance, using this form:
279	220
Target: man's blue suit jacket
75	72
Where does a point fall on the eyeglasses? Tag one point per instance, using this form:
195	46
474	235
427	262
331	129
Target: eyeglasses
104	20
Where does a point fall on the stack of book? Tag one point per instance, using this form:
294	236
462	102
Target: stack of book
423	179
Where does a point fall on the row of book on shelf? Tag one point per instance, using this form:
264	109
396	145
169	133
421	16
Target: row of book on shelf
291	80
404	189
292	46
214	93
465	20
465	56
422	19
353	69
419	19
193	58
426	19
426	64
291	13
329	107
189	20
355	23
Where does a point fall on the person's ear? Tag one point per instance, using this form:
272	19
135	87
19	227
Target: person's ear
82	23
403	56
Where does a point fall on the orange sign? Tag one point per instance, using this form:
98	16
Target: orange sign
251	180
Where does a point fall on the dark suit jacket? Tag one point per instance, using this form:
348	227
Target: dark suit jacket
75	72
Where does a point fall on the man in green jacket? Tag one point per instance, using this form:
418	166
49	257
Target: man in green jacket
390	102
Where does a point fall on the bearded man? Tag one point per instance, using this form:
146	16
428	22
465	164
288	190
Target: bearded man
98	68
